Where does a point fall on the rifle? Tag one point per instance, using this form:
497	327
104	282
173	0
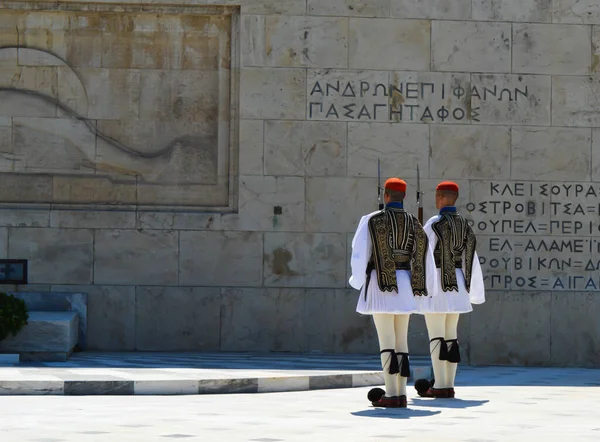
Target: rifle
379	184
419	200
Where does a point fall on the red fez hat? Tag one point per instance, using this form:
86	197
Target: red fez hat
447	185
396	184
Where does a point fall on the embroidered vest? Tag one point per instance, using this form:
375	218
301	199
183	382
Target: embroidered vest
399	243
455	237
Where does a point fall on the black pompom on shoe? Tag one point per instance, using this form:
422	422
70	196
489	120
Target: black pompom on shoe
375	394
422	386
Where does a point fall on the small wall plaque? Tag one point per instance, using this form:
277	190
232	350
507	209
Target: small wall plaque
13	271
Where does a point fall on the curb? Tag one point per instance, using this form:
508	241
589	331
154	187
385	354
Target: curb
223	385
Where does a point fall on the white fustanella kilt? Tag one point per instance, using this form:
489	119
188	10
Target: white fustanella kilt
377	301
446	302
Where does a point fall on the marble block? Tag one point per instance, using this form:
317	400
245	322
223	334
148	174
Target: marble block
568	148
576	11
511	99
45	332
306	41
60	302
31	388
576	101
93	388
272	93
330	381
571	347
9	359
547	49
371	40
499	325
478	151
167	387
367	379
464	46
431	9
55	255
513	10
352	8
274	384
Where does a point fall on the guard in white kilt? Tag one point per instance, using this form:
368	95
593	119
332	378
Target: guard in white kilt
390	263
458	284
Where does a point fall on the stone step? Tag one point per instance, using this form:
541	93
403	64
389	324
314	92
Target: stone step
172	373
8	359
48	336
160	381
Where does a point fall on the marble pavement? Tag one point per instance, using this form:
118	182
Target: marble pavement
494	404
90	373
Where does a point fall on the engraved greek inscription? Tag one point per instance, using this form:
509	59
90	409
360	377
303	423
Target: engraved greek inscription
427	114
316	89
491	92
443	113
566	227
524	93
349	91
514	227
458	114
411	107
364	88
502	92
458	91
572	246
395	89
395	113
382	86
424	85
332	111
512	189
349	112
364	112
375	110
320	106
330	87
499	245
407	101
412	90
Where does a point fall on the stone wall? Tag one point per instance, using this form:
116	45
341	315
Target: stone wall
199	170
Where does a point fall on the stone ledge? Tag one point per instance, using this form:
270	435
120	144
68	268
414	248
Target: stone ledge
71	381
47	335
9	359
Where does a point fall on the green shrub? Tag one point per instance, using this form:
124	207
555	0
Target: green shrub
13	315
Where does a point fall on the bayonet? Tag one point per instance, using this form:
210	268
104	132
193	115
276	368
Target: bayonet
379	184
419	200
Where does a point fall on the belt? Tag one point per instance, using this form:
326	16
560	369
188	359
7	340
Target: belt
457	264
404	265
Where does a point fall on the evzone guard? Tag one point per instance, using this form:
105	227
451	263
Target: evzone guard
458	284
390	265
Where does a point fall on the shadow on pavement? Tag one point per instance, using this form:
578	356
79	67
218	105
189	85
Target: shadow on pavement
395	413
447	403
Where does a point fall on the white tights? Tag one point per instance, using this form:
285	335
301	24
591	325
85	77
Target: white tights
392	331
442	325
